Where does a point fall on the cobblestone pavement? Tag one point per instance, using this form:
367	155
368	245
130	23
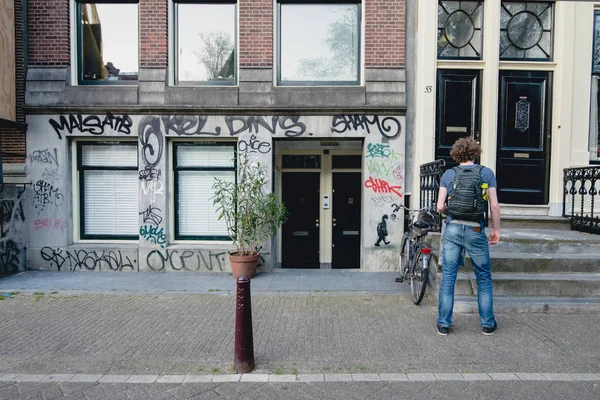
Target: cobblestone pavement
333	336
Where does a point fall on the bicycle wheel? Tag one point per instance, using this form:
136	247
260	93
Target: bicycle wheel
418	279
404	254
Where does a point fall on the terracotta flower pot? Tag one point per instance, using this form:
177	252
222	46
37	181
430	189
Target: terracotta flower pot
243	265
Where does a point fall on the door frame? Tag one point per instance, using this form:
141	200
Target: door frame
325	187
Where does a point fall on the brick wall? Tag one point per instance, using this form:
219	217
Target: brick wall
48	24
256	33
13	147
385	33
153	33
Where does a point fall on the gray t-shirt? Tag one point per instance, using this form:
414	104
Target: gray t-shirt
487	175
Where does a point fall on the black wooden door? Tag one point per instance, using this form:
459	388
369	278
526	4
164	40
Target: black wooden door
300	233
346	219
522	166
457	110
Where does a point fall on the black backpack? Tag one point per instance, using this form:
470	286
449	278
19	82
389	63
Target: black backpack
467	201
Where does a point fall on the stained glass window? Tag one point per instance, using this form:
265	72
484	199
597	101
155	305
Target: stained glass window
526	31
460	25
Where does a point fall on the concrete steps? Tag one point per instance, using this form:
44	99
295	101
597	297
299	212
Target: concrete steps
535	270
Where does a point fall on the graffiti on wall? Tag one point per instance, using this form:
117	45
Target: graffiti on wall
186	260
93	124
12	234
87	260
50	223
254	145
46	195
151	215
388	127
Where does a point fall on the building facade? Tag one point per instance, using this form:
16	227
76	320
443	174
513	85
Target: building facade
134	107
520	77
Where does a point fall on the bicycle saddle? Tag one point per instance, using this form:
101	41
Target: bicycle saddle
421	224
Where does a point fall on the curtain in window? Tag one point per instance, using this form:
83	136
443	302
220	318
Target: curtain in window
91	47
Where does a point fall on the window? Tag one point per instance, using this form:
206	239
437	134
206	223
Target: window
205	42
526	30
318	44
107	41
594	139
460	28
196	166
108	180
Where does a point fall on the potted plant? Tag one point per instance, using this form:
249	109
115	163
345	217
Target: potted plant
252	214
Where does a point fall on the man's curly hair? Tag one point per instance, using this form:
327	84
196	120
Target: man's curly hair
465	149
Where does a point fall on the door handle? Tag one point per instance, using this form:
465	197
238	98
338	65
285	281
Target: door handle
333	222
317	223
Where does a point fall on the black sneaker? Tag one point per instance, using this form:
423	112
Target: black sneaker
489	331
442	330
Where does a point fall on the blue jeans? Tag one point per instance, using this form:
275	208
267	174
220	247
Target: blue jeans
456	238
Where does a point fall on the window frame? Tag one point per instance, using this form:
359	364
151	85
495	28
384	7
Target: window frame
81	178
79	44
175	43
359	57
177	169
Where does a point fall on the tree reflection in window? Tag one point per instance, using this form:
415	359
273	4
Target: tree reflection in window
526	31
328	51
205	41
460	29
108	41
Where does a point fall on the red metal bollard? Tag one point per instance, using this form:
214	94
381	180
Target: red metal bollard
243	357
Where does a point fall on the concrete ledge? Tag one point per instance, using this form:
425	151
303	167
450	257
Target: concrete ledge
392	87
35	73
152	75
114	95
385	74
387	99
319	96
225	96
256	87
256	75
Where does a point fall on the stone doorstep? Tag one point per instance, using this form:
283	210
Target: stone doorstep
505	305
301	378
538	285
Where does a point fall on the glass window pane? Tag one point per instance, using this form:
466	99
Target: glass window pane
294	161
109	42
347	162
596	49
109	155
327	51
110	203
197	216
206	43
205	156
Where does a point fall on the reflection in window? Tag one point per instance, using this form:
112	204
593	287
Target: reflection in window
319	43
205	42
526	31
594	139
297	161
459	29
108	41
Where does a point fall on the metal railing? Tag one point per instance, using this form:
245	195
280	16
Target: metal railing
429	176
579	197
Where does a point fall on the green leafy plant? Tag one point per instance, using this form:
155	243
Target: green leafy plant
251	213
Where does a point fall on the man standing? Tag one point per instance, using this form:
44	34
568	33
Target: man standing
468	187
382	231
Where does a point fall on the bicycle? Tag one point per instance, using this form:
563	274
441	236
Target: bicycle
415	254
